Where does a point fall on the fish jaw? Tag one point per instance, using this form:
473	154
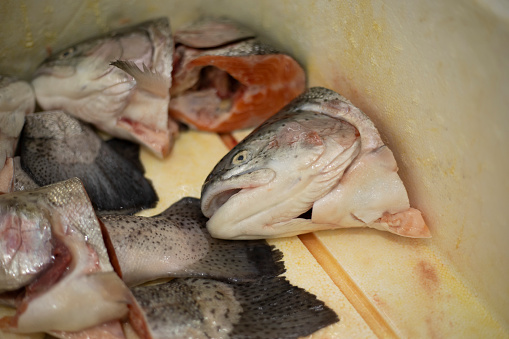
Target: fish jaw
216	193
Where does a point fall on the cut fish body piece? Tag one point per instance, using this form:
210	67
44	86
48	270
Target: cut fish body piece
80	289
231	85
176	243
119	82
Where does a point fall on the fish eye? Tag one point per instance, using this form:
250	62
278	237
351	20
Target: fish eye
67	53
240	157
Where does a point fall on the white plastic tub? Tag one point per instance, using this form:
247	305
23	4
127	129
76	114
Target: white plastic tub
432	75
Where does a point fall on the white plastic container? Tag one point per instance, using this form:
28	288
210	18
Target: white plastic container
432	75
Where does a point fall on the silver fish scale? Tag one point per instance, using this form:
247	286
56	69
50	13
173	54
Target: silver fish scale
243	48
71	201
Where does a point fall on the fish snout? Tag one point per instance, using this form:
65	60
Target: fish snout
217	191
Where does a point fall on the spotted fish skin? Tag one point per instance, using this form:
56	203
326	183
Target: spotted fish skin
225	79
55	146
176	243
204	308
319	153
118	82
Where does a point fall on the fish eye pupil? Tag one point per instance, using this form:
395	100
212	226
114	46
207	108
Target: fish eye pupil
67	53
239	158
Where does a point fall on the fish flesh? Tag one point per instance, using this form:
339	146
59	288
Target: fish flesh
176	243
17	99
55	146
119	82
205	308
224	79
52	247
320	154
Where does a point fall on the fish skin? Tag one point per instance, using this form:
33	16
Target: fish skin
204	308
17	99
55	146
250	80
296	162
210	32
127	102
176	243
88	292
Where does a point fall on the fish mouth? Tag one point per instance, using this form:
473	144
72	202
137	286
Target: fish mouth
216	193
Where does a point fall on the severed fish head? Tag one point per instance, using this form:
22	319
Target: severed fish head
119	82
320	153
262	186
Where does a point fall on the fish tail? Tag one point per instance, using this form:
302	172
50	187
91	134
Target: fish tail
263	301
238	261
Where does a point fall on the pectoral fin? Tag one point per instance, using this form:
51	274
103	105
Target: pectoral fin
152	82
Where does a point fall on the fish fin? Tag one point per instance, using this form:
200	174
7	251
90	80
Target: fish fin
267	308
238	261
180	232
268	299
73	149
226	260
152	82
129	150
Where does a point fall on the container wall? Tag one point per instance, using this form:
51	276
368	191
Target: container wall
434	77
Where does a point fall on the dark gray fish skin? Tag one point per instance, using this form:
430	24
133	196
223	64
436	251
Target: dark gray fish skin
22	181
129	150
203	308
55	147
176	243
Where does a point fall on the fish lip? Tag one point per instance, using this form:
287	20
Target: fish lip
215	193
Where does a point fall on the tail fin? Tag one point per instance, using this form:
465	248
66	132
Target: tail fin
273	308
267	308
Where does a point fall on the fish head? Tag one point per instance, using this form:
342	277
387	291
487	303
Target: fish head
81	79
275	174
